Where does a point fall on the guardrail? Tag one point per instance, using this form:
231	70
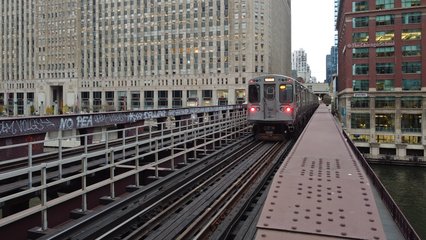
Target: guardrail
218	128
401	221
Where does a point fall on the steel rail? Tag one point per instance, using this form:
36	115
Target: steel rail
149	225
142	197
204	224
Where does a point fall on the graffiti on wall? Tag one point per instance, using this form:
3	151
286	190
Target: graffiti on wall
34	125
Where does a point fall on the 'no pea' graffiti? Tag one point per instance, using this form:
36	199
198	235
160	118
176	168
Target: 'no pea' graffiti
34	125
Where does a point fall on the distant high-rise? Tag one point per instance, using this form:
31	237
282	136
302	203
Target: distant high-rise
299	63
381	76
133	54
331	64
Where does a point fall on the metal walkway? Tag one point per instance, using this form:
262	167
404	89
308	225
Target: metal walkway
326	190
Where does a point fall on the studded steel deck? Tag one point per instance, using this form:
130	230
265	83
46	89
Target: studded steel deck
321	191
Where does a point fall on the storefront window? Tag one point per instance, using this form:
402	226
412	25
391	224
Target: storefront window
385	122
411	102
385	102
360	102
360	120
360	138
411	123
385	138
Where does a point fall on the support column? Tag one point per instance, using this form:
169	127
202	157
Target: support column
374	150
401	151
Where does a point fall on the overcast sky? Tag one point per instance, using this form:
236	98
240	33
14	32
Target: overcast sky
313	30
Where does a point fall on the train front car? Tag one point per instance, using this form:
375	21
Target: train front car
272	107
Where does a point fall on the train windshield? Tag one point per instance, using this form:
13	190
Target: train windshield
286	93
254	93
270	92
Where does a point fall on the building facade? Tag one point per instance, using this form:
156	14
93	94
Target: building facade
299	63
331	64
71	55
381	76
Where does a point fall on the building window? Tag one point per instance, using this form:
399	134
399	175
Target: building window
360	22
384	4
410	3
411	139
360	102
360	85
97	101
385	20
177	99
85	104
360	121
411	102
385	36
408	18
411	34
385	85
385	102
162	99
385	51
411	50
207	94
385	68
385	138
360	37
411	67
360	69
222	96
122	100
385	122
192	94
109	98
411	123
411	84
359	6
360	138
135	100
360	52
148	99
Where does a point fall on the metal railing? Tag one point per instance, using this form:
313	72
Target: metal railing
182	138
401	221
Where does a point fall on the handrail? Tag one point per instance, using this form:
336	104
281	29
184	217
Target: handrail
401	221
231	125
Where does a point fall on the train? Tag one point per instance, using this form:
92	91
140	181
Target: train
279	106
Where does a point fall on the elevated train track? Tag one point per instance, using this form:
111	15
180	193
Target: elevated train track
197	207
210	181
105	175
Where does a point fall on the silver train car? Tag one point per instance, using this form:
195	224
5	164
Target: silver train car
279	106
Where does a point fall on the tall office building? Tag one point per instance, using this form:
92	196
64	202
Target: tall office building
71	55
381	82
299	63
331	64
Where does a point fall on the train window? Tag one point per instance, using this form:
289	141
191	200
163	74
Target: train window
254	93
270	92
286	93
